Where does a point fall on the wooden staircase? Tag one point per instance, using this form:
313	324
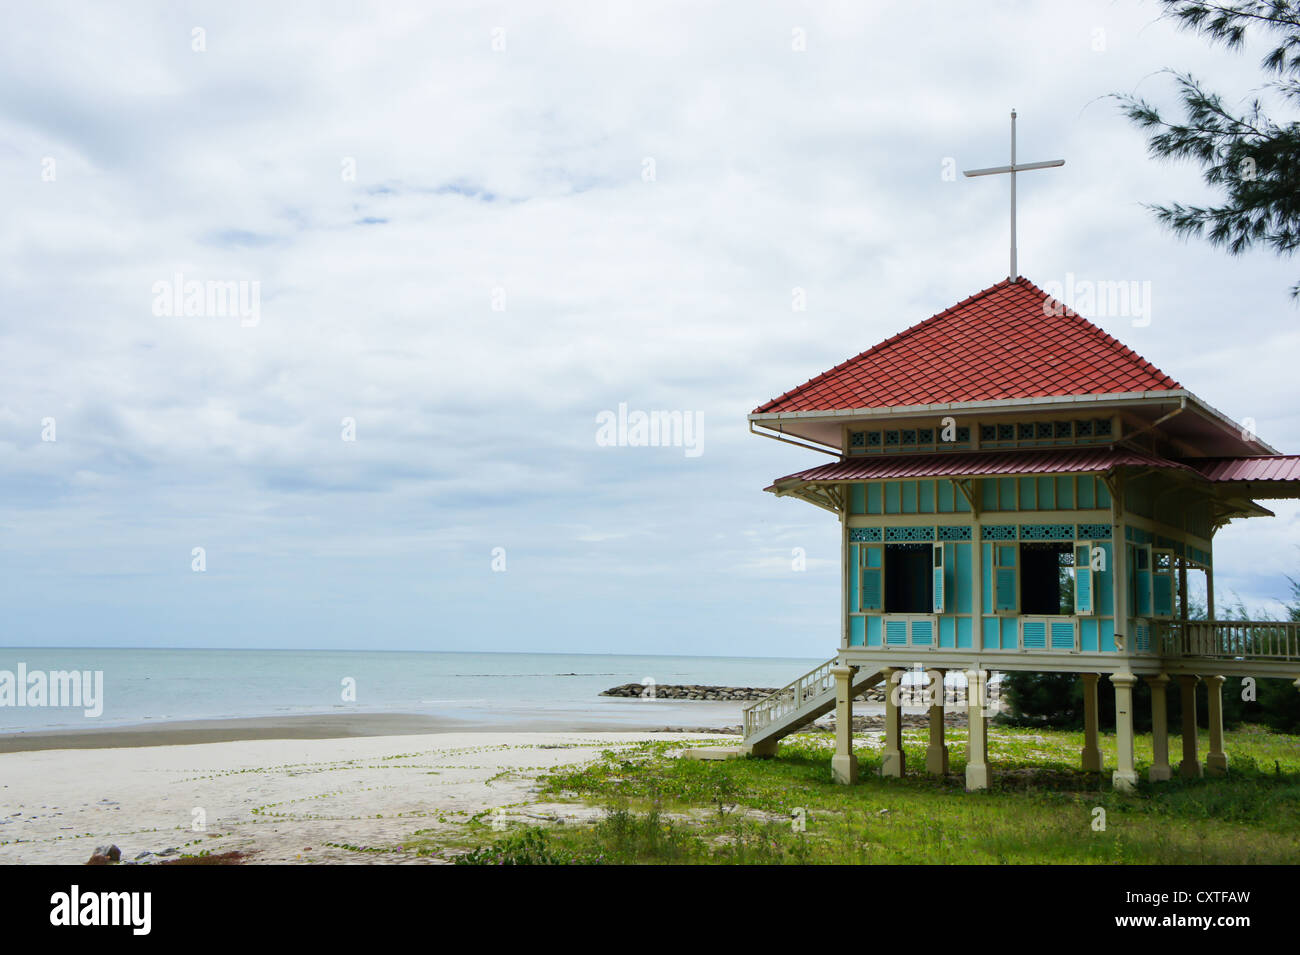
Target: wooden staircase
798	704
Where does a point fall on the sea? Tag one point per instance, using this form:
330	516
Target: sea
482	690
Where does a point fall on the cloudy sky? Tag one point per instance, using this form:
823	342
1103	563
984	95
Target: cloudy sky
477	226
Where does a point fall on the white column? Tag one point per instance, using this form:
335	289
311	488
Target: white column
1190	767
936	756
892	759
1091	749
977	767
844	765
1160	769
1125	776
1216	763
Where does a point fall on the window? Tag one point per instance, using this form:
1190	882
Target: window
1047	578
909	578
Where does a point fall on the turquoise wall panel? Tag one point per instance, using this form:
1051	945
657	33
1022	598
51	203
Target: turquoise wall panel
963	582
986	569
892	496
1010	638
854	575
988	494
925	496
1103	495
963	505
1088	634
909	497
1087	492
857	499
857	631
873	499
944	495
1028	494
1064	492
1046	494
1007	494
1107	628
964	627
873	631
947	631
991	638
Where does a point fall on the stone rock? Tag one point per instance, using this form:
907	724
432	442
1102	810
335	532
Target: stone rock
113	853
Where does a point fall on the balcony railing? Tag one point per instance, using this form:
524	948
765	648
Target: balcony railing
1230	639
1060	635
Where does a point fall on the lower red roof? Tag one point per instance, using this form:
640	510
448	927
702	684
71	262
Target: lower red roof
1274	467
979	464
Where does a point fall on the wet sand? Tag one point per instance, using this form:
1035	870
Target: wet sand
324	726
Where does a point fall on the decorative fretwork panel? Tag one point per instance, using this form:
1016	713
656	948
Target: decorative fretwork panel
1094	532
863	535
1047	532
953	533
909	534
998	532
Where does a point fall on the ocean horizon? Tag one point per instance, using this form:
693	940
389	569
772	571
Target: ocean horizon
156	685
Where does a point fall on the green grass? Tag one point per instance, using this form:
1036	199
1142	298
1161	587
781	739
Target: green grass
1040	809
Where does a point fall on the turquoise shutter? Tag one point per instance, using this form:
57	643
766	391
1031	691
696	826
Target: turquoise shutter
1004	578
1162	583
1083	602
873	577
1142	568
938	578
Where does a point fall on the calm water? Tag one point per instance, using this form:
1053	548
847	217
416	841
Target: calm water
164	685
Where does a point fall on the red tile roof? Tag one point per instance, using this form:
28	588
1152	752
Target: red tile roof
1004	342
1276	467
977	464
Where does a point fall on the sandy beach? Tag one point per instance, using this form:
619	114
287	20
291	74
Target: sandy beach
282	800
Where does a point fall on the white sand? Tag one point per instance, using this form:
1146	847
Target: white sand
283	800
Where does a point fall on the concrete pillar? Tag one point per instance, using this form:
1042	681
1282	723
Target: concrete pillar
844	765
892	760
1125	776
977	766
1190	767
763	750
936	756
1160	770
1216	763
1091	750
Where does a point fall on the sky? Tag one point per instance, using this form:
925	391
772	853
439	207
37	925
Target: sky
473	228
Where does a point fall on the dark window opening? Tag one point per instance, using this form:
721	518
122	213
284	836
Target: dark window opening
1046	578
909	582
